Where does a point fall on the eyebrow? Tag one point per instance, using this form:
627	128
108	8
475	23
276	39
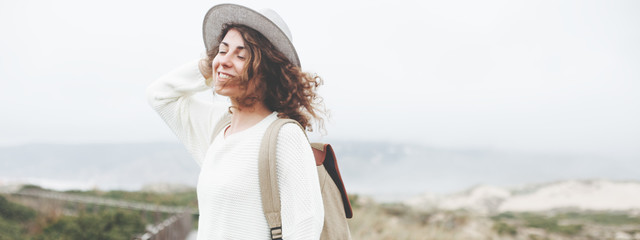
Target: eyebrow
227	45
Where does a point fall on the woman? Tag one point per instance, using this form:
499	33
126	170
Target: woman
251	60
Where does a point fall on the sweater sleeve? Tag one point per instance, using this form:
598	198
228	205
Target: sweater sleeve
302	210
191	119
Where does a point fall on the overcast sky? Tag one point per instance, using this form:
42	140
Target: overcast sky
535	76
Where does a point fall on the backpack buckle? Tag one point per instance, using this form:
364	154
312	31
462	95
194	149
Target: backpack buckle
276	233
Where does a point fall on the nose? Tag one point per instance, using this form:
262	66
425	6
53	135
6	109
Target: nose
225	60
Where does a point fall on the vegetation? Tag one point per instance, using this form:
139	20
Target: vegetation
15	212
38	219
112	224
371	220
13	218
397	221
578	224
20	222
505	229
550	224
186	198
544	220
604	218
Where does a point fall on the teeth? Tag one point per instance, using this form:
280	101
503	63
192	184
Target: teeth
225	76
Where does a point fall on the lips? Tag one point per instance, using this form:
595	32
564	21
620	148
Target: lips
224	76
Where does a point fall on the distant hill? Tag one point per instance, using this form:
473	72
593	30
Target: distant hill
393	172
386	171
596	195
103	166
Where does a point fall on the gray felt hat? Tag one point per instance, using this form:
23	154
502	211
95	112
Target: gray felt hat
269	23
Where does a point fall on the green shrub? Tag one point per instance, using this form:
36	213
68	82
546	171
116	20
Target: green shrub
10	230
114	224
15	212
568	229
537	221
550	224
505	229
13	217
502	216
612	218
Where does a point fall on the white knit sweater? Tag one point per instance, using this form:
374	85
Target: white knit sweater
228	189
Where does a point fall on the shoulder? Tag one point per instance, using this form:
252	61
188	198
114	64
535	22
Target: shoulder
292	141
292	133
293	152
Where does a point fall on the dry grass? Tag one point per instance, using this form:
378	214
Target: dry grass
397	222
373	221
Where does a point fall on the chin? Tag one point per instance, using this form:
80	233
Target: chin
228	90
223	92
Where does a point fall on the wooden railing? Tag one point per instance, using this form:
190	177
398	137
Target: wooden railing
103	201
177	226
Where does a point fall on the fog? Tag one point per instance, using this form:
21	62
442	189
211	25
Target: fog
543	76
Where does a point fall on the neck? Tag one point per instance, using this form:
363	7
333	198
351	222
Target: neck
246	117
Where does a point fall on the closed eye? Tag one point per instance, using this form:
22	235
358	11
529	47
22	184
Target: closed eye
239	50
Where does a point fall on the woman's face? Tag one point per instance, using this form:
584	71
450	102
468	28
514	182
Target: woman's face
228	64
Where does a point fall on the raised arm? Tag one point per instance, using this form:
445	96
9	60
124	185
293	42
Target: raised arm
192	120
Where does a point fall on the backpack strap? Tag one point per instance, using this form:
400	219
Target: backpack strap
269	189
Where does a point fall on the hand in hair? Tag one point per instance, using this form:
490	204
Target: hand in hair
205	69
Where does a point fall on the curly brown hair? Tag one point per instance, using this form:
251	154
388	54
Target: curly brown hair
272	78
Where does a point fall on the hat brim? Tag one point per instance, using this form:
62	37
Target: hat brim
222	14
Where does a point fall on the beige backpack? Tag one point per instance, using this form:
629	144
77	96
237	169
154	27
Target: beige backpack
337	207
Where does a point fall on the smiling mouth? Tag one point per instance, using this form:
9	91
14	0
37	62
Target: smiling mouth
224	76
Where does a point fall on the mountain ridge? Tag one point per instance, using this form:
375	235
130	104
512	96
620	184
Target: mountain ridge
386	171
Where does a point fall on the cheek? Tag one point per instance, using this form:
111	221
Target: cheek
239	66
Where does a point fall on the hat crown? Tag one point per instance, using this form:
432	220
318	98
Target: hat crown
276	19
